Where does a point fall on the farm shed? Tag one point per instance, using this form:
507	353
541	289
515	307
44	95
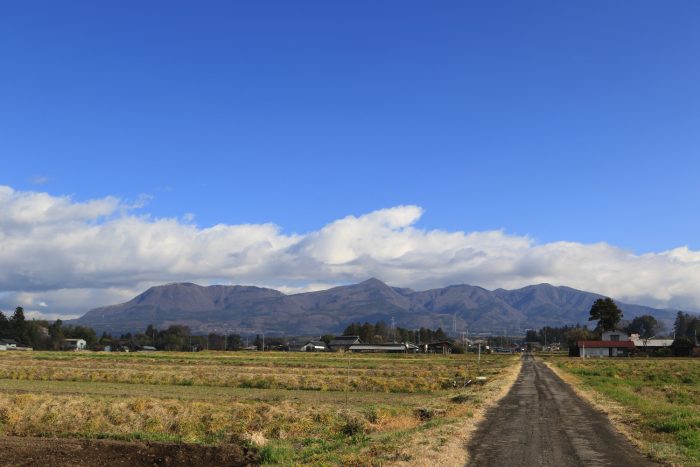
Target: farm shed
383	348
343	343
314	346
443	347
651	344
10	344
74	344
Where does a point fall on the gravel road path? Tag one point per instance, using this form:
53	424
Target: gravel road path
542	422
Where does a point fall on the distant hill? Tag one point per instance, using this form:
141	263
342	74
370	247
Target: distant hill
246	309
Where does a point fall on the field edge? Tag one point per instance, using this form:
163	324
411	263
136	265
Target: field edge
454	450
618	415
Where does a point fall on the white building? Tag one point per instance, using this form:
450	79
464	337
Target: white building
74	344
650	344
9	344
613	344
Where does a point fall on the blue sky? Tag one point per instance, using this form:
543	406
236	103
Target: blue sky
556	121
561	120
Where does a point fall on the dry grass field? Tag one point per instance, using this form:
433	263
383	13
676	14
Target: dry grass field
655	402
308	408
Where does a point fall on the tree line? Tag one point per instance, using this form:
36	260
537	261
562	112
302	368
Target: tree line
380	332
40	334
686	329
175	338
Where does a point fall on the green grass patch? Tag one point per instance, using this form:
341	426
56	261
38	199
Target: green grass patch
660	397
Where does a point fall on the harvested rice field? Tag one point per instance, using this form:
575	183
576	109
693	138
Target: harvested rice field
275	408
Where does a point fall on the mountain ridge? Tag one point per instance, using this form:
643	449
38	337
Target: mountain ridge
252	309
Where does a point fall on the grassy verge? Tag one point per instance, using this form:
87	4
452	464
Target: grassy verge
654	402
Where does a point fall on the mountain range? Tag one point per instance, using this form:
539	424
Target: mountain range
249	310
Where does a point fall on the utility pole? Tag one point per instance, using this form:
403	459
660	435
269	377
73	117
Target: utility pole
478	362
347	383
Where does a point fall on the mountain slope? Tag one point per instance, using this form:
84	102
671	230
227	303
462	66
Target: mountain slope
246	309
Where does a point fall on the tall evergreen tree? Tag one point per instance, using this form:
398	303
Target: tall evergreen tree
680	326
18	324
645	325
4	325
606	312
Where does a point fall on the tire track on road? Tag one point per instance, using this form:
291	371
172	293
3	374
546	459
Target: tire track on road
542	422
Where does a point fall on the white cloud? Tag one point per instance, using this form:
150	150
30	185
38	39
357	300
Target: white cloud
74	255
40	180
39	315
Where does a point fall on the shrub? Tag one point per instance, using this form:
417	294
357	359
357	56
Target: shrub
353	426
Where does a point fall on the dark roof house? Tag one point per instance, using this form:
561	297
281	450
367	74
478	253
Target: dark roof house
343	342
443	347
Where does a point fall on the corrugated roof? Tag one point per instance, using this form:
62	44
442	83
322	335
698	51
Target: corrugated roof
344	340
316	343
378	347
653	342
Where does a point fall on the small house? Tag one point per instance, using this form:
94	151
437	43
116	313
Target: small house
10	344
443	347
614	336
74	344
343	343
314	346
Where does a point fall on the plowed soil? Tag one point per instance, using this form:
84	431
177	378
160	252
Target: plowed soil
19	451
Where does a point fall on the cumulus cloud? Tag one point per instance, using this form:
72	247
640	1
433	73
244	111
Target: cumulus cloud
73	255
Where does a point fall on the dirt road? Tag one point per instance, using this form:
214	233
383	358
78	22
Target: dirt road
542	422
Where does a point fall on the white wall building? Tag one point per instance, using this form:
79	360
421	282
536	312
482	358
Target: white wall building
74	344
